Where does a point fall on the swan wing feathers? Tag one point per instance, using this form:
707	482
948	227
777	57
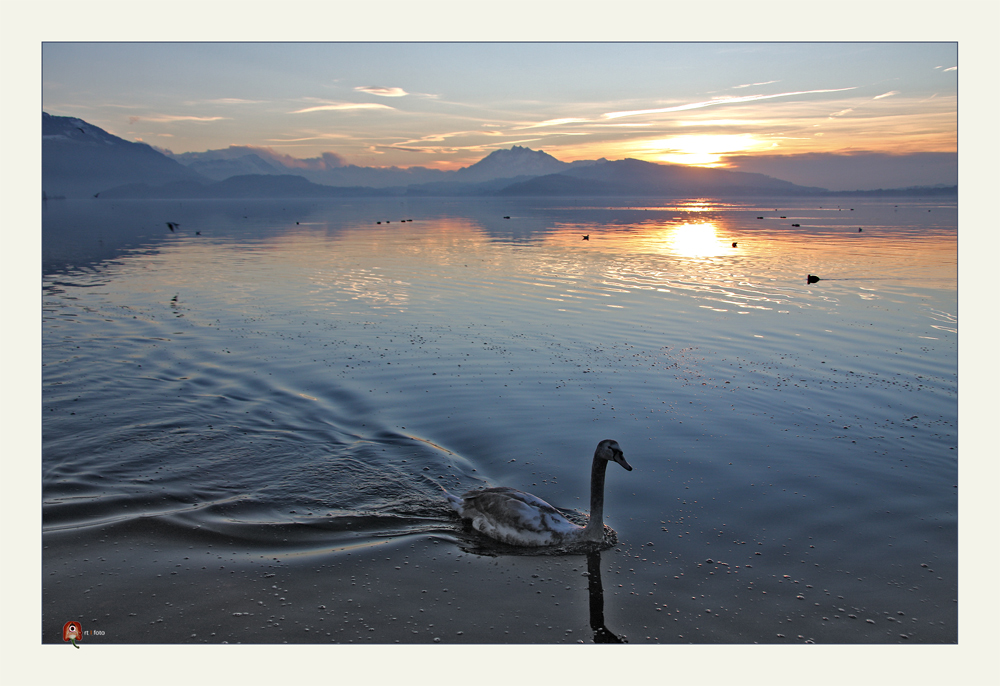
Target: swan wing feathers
515	517
455	502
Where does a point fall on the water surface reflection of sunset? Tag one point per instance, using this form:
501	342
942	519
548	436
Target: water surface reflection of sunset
291	369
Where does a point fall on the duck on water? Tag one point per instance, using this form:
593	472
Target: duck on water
518	518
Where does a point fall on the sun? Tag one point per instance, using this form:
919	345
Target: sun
703	150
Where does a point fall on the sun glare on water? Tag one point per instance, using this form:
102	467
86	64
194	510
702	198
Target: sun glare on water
693	240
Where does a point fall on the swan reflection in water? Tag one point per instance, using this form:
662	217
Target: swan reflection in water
602	634
595	585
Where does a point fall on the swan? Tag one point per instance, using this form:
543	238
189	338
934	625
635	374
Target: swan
518	518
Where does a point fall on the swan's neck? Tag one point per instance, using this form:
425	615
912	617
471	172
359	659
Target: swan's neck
595	527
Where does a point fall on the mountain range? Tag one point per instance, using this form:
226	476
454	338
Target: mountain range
330	169
82	160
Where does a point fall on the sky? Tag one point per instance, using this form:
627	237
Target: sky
769	107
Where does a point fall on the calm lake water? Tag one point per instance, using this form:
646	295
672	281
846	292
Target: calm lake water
247	422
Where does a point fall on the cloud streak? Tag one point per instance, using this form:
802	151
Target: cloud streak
170	118
339	106
393	92
325	136
442	137
402	148
232	101
554	122
885	95
719	101
759	83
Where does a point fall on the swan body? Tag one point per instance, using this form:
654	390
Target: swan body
518	518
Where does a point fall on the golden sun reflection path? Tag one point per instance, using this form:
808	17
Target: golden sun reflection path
752	262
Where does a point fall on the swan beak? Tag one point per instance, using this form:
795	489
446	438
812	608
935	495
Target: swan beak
619	457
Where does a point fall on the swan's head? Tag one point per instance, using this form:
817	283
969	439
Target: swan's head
609	450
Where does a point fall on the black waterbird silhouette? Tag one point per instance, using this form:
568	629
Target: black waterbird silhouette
172	225
811	279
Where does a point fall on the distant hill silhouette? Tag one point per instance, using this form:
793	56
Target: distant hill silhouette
454	189
636	177
79	159
936	191
247	186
